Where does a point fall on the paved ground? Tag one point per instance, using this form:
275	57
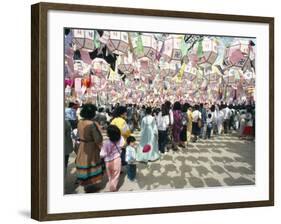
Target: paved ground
221	161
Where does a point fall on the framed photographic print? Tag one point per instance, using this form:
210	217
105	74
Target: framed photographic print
139	111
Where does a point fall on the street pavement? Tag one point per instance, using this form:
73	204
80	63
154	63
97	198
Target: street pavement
223	160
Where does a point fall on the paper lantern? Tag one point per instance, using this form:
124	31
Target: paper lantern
248	78
238	54
100	67
172	49
83	39
190	72
126	64
232	76
213	75
208	53
146	67
80	68
118	42
98	83
149	45
169	70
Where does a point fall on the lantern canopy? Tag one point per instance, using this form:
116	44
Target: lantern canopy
207	52
118	42
84	39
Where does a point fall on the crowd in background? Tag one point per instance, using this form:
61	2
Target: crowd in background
164	128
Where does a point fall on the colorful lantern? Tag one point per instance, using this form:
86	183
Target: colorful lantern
206	51
146	67
149	46
100	67
80	68
126	63
172	49
213	74
169	70
190	72
232	76
84	39
248	78
238	54
118	42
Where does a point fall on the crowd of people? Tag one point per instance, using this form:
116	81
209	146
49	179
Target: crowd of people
169	127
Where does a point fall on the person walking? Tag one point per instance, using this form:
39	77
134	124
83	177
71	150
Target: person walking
177	125
163	125
111	152
189	124
148	139
88	161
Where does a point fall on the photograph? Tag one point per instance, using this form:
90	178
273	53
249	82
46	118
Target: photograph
151	111
145	111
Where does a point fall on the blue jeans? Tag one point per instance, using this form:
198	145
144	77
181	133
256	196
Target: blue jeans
131	171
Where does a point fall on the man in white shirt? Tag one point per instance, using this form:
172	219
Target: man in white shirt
227	115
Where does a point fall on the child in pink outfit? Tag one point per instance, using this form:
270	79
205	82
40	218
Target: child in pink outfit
111	151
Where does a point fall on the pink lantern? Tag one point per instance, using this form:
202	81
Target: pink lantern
146	67
83	39
238	54
118	42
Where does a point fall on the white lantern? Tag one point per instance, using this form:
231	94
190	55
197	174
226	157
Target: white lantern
209	52
190	72
232	76
213	75
118	42
84	39
172	51
248	78
126	64
80	68
100	67
149	44
169	70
